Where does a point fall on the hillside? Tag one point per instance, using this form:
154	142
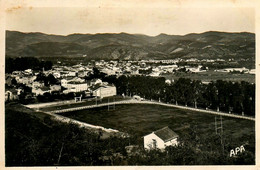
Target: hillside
133	46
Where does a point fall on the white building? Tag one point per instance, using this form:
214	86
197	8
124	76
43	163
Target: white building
27	80
104	91
168	81
65	82
252	71
56	74
55	88
160	139
36	84
233	69
75	87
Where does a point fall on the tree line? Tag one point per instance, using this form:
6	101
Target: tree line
226	96
23	63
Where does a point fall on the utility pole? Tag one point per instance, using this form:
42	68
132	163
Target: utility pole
114	103
219	130
108	104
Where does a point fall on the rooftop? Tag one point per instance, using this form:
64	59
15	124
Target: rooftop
166	134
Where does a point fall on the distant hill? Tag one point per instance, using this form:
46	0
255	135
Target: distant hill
208	45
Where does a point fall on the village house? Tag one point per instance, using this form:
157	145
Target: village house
28	71
66	81
72	73
16	73
74	86
94	82
169	82
11	94
37	84
160	139
195	69
55	88
27	80
41	90
8	80
108	71
82	74
56	74
102	91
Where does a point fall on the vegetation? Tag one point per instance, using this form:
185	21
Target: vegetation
23	63
34	139
41	141
227	96
48	80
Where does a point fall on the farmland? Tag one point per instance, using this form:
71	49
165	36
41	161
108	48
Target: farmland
213	76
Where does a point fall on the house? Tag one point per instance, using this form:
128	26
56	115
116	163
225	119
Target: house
27	80
252	71
55	88
11	94
8	80
103	90
82	73
56	74
168	81
72	73
65	82
95	82
160	139
74	86
28	71
41	90
36	84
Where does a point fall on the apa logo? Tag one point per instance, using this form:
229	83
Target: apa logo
236	151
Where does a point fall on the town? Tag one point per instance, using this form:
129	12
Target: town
72	79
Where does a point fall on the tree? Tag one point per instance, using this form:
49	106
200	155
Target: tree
13	82
40	76
51	80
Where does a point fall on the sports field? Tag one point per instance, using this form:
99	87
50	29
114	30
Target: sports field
142	119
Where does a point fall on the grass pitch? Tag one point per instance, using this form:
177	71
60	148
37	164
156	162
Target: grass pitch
142	119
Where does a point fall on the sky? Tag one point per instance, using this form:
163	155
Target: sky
149	21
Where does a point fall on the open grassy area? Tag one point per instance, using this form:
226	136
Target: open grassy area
142	119
213	76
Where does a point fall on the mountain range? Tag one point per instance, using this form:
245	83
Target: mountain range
207	45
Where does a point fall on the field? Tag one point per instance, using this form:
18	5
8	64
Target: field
213	76
142	119
85	102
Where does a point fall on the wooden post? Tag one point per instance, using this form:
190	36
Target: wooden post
114	103
108	104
